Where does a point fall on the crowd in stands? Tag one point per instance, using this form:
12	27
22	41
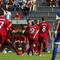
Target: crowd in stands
25	6
52	3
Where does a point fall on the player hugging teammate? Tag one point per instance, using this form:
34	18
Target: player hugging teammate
5	26
37	35
32	38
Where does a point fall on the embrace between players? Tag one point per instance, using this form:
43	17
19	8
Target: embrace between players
36	35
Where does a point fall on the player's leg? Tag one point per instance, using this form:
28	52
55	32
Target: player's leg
31	46
40	45
54	51
45	44
35	44
30	49
12	44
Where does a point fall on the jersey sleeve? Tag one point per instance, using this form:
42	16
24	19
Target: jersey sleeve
37	27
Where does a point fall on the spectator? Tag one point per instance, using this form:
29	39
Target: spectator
0	0
10	2
48	2
17	17
4	12
8	14
30	4
34	5
0	4
24	1
53	3
16	1
5	1
59	3
26	9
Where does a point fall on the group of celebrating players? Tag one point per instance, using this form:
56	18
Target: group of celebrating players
36	35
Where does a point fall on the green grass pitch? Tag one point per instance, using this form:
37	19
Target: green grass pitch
13	56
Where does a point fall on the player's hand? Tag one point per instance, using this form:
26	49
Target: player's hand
14	31
55	36
50	38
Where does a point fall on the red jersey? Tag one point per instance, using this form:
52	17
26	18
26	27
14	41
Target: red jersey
44	27
36	28
9	33
3	26
17	17
32	30
26	30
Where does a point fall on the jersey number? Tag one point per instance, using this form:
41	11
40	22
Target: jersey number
1	24
32	30
44	29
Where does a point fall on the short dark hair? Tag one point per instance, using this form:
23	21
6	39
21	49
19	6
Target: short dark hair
35	21
43	18
10	22
1	12
28	20
6	9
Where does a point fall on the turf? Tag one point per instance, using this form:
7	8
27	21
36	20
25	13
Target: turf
13	56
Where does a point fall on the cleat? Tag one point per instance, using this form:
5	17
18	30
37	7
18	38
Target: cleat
39	55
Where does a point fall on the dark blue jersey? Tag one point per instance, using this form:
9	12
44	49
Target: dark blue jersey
58	32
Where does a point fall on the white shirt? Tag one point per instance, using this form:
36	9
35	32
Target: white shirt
8	15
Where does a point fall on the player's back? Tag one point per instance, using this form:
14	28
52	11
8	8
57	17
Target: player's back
3	25
43	26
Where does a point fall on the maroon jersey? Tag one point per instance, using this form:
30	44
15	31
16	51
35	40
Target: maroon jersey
32	30
17	17
3	26
26	30
44	27
9	33
36	28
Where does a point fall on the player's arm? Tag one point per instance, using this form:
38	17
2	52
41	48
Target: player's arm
49	32
57	25
10	15
36	33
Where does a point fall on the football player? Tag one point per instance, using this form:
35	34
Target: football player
43	34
